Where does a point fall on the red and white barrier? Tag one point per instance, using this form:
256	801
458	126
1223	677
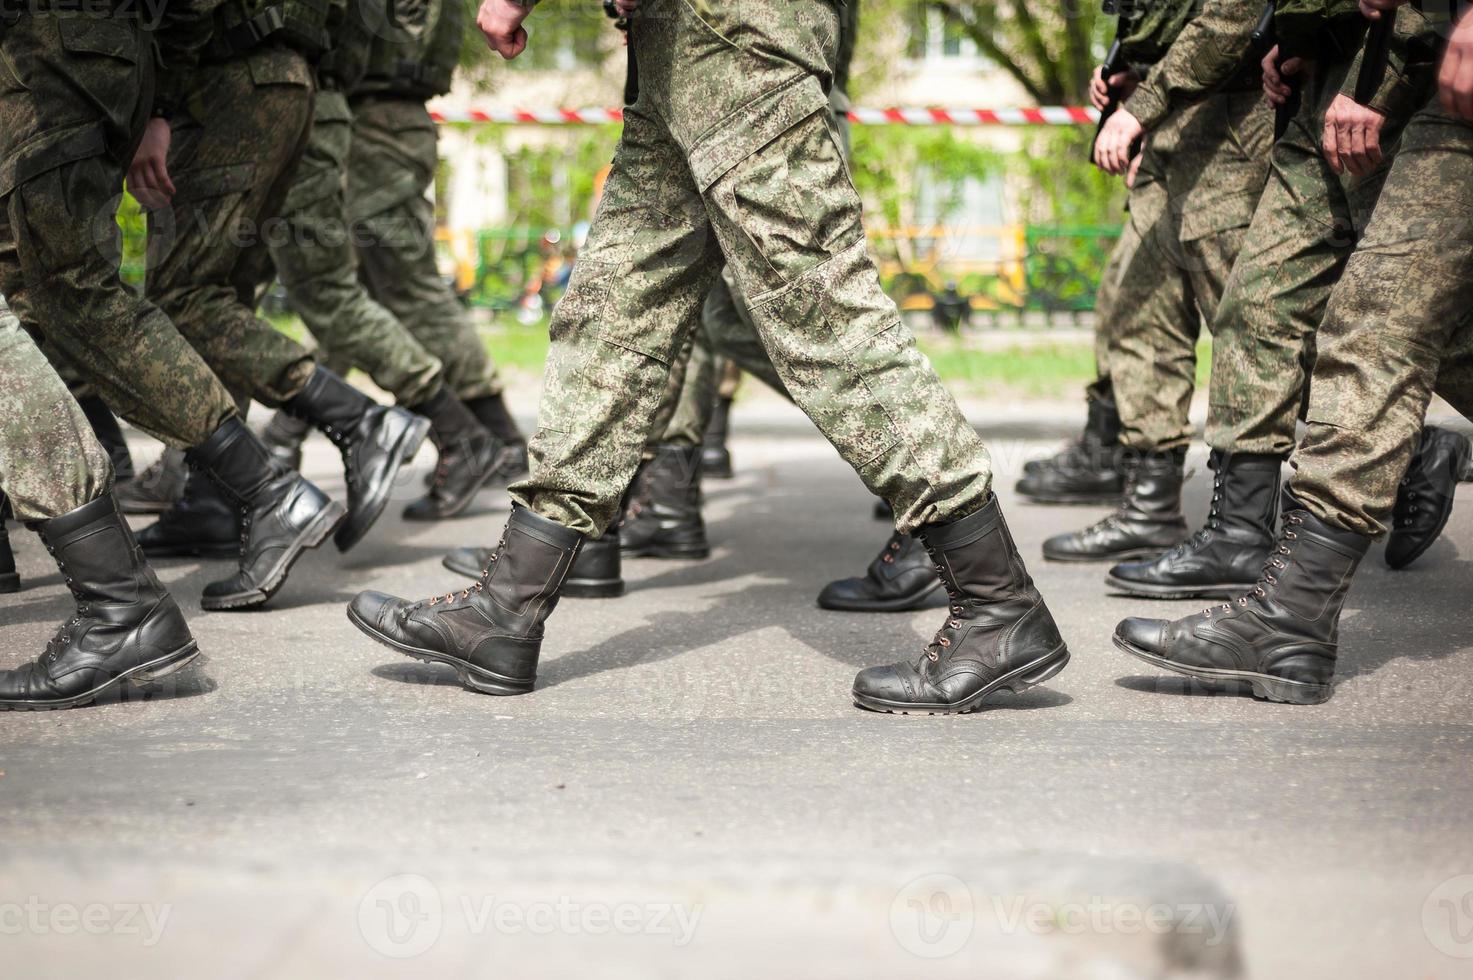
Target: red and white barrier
1041	116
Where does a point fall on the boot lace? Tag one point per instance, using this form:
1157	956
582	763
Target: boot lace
1277	560
478	586
63	638
945	637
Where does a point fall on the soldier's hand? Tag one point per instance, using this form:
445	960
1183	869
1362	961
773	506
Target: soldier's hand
1455	77
501	22
1135	168
1276	76
1372	9
1112	149
1352	136
626	7
1099	95
148	176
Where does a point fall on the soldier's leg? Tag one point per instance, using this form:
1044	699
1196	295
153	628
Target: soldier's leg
59	268
233	159
1302	232
50	461
391	166
753	131
1396	331
57	478
1152	359
1405	298
318	265
1089	470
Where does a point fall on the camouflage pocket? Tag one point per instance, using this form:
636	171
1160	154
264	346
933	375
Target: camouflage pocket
113	38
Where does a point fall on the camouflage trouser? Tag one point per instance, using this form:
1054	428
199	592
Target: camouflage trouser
726	336
316	261
50	462
1193	197
74	96
1302	232
737	136
1398	326
390	170
232	153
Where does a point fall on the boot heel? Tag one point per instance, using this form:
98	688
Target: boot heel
1290	692
165	666
485	685
1037	673
593	588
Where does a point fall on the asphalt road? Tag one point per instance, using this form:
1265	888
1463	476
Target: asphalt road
690	792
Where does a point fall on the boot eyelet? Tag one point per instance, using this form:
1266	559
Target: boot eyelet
932	656
888	559
955	624
944	642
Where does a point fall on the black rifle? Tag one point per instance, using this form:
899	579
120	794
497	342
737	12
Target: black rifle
1374	60
1114	64
1264	36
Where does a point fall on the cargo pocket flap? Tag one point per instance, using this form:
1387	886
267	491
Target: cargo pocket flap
752	127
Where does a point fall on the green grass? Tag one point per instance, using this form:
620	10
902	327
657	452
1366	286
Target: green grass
1040	369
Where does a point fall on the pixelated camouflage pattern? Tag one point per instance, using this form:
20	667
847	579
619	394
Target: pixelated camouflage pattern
50	462
235	141
731	124
1398	327
318	265
390	171
1199	179
1302	233
1210	54
73	101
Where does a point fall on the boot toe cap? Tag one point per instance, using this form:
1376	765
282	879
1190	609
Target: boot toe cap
843	593
890	683
374	609
1144	634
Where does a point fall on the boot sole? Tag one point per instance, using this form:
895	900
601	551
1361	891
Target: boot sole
139	676
404	451
679	553
593	588
10	582
1015	681
471	677
1265	686
312	536
904	604
1134	554
1144	590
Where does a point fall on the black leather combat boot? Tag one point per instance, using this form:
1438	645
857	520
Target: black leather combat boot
1424	501
281	515
663	518
490	632
126	627
597	574
375	441
157	488
1089	471
999	635
1281	636
715	457
470	458
284	435
203	524
1221	560
105	427
9	577
1147	522
491	411
901	577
